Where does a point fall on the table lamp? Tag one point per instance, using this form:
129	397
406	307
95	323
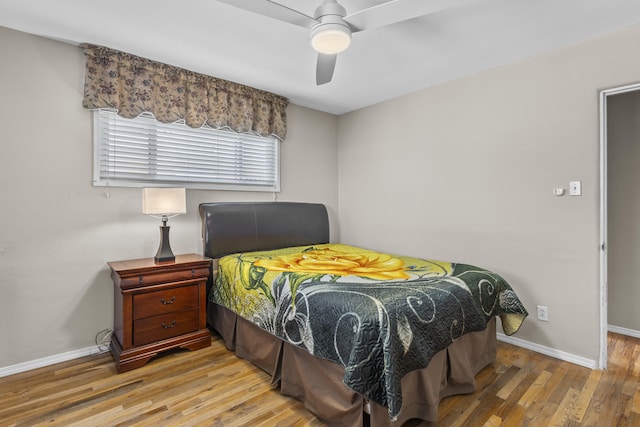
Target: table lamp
164	203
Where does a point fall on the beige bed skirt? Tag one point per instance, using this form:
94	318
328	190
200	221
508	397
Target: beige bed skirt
318	382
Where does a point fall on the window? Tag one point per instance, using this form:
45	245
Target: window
143	152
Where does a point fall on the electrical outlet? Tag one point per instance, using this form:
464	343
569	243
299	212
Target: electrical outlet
543	313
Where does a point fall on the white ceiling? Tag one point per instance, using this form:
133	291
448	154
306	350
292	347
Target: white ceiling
226	42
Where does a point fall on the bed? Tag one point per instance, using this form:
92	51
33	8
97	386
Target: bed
359	336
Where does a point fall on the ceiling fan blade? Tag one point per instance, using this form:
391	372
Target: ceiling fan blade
396	11
274	10
324	68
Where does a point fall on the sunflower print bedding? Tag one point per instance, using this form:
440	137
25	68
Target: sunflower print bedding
378	315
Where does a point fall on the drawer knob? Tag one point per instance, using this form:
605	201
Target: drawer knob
169	325
165	302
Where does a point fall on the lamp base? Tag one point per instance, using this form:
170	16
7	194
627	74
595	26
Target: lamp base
164	253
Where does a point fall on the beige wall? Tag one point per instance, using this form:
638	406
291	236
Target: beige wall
623	175
57	231
464	171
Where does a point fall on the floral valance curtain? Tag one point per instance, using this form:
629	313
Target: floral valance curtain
133	85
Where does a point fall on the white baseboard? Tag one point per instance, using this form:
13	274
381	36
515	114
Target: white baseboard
49	360
548	351
623	331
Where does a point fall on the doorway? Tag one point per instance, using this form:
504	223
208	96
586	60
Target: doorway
604	214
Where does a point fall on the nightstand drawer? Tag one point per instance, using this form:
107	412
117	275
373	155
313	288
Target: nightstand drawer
165	301
165	326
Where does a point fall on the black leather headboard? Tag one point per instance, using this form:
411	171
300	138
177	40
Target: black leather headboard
252	226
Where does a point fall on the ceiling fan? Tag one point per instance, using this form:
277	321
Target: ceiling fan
331	27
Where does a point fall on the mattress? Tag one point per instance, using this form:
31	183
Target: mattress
377	317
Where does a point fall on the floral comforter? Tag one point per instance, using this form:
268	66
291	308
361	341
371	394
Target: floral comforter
379	316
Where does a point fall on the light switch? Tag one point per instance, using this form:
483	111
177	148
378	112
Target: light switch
575	188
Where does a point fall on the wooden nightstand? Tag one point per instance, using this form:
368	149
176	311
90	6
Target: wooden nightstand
157	307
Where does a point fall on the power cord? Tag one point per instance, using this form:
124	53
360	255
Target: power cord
103	341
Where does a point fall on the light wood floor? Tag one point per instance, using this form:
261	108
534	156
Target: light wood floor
211	387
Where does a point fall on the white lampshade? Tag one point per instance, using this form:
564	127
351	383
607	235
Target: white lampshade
330	38
164	201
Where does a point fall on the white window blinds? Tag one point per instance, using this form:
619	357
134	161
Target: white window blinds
142	152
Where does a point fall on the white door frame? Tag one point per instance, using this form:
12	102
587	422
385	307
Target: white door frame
602	363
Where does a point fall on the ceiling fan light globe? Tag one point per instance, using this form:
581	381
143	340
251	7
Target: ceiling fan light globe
330	40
